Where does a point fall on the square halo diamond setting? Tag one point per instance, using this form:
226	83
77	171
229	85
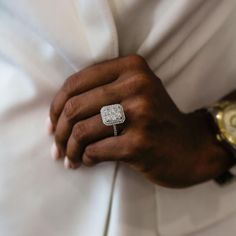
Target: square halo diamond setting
112	114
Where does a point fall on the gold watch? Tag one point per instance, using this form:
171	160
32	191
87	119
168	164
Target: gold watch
224	114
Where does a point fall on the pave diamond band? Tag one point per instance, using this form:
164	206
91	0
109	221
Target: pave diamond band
112	115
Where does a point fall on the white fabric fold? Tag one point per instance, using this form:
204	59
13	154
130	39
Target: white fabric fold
182	212
190	45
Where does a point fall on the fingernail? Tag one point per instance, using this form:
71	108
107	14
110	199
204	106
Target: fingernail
67	163
55	152
49	126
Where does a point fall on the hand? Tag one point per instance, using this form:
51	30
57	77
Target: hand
169	147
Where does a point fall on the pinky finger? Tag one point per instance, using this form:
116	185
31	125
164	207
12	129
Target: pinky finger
108	149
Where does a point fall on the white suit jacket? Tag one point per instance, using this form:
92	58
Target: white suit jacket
189	44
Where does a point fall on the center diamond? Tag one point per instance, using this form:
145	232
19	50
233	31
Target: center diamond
112	114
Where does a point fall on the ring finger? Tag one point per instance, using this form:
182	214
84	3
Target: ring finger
85	132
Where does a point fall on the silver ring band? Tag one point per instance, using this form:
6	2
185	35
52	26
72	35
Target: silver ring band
115	130
113	115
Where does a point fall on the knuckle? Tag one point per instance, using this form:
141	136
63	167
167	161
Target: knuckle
141	79
139	108
136	60
105	90
108	90
70	108
142	105
139	82
79	132
71	83
142	110
90	154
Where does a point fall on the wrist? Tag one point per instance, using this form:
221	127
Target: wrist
216	159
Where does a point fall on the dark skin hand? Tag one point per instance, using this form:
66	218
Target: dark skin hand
169	147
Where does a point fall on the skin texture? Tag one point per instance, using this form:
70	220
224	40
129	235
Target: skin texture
169	147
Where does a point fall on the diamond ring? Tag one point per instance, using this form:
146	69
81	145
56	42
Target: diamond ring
112	115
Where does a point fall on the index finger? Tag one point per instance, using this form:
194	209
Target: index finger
81	82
